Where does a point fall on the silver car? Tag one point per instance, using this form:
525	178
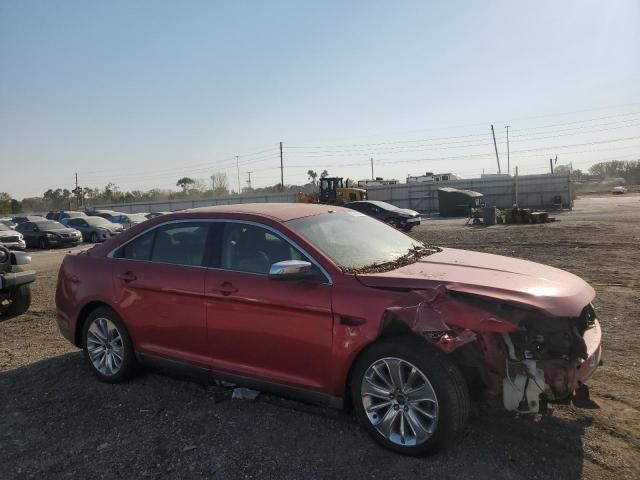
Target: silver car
94	229
128	220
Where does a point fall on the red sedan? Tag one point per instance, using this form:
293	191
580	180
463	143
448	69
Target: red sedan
331	306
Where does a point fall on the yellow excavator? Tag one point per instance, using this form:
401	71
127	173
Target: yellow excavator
333	191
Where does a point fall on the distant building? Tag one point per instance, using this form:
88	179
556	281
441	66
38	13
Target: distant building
431	177
379	181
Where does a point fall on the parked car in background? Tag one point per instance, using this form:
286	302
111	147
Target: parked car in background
27	218
108	214
619	190
394	216
48	233
128	220
10	238
94	229
7	222
332	306
155	214
62	214
15	288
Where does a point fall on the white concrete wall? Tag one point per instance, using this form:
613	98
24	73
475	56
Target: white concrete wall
535	191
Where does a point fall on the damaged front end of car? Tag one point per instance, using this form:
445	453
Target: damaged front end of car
514	355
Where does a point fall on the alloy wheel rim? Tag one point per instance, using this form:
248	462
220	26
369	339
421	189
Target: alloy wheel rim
399	401
105	346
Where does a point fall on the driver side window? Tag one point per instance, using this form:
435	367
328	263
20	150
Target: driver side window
253	249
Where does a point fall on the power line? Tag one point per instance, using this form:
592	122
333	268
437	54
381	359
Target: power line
453	145
427	140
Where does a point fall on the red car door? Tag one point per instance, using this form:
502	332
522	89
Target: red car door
280	331
159	283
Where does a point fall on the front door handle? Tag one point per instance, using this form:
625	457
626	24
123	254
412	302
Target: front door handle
225	288
127	277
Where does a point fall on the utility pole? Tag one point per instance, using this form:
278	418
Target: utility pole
517	186
551	165
78	193
238	169
496	147
281	170
249	180
508	166
373	177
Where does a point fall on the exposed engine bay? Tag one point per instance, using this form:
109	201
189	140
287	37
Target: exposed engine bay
544	357
521	358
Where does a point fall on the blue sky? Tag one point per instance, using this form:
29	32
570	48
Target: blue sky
141	93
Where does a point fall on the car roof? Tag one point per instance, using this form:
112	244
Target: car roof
282	212
379	203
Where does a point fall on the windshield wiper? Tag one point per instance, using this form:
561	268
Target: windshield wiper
412	256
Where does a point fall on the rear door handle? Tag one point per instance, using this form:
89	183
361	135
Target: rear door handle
225	288
127	277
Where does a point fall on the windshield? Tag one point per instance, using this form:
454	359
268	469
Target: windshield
384	205
98	221
49	225
358	243
75	214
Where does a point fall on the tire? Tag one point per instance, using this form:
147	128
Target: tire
437	377
42	243
407	227
94	238
392	222
20	300
99	320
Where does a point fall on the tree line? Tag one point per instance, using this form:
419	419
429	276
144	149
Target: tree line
217	185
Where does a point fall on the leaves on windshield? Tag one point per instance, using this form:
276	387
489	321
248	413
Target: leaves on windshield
412	256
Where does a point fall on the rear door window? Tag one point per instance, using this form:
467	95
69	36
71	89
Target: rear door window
181	244
138	248
177	243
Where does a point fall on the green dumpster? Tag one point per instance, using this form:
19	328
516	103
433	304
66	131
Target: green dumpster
454	202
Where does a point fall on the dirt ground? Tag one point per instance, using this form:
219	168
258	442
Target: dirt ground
57	421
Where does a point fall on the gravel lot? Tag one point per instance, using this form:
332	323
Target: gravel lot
56	421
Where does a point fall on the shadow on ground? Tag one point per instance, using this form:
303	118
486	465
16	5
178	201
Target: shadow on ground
58	421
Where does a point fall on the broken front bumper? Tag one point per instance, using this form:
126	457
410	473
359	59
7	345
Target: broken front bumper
565	377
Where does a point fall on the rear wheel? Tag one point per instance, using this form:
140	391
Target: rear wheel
410	398
107	346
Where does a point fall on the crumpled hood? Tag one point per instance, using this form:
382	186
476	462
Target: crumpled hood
555	291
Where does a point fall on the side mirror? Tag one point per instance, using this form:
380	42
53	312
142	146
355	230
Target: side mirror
291	270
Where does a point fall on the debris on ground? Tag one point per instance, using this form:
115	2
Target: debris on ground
242	393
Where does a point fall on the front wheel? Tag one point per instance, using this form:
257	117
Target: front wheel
18	303
94	238
410	398
42	243
392	222
107	346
